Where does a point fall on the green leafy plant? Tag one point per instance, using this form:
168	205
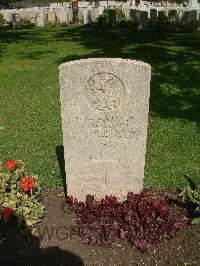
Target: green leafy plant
2	20
18	194
192	195
120	14
103	19
26	23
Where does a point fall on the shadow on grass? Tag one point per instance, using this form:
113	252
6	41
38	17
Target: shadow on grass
174	58
27	38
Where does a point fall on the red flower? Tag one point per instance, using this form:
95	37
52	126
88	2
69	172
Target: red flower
10	165
27	183
6	212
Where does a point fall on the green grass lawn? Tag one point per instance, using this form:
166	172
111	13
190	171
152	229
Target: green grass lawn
29	93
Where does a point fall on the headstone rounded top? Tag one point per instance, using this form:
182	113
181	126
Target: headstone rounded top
111	60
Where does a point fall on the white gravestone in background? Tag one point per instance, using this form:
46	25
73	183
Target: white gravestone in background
39	20
87	16
104	109
16	21
193	4
63	16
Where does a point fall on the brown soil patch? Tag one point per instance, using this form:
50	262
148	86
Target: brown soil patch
60	248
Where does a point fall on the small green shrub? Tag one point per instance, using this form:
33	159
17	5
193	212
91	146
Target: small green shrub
26	23
192	195
120	14
103	19
2	20
193	26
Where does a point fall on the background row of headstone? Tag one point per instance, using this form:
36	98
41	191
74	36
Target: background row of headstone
88	15
31	4
186	15
40	16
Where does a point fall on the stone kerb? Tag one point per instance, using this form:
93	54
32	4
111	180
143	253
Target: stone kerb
104	109
94	14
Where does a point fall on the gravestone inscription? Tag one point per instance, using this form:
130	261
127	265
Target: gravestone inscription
104	109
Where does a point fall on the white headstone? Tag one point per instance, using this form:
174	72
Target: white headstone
70	15
101	9
126	10
87	16
94	14
16	21
39	20
193	4
51	16
104	108
63	16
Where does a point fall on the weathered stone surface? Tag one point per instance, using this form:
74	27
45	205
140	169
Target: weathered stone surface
193	4
62	16
70	16
104	108
39	20
101	9
51	16
87	16
7	15
126	10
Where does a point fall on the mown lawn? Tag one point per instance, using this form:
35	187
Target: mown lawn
29	93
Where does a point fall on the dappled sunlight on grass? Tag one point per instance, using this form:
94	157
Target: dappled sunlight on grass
30	89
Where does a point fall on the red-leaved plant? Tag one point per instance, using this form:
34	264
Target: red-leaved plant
142	220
